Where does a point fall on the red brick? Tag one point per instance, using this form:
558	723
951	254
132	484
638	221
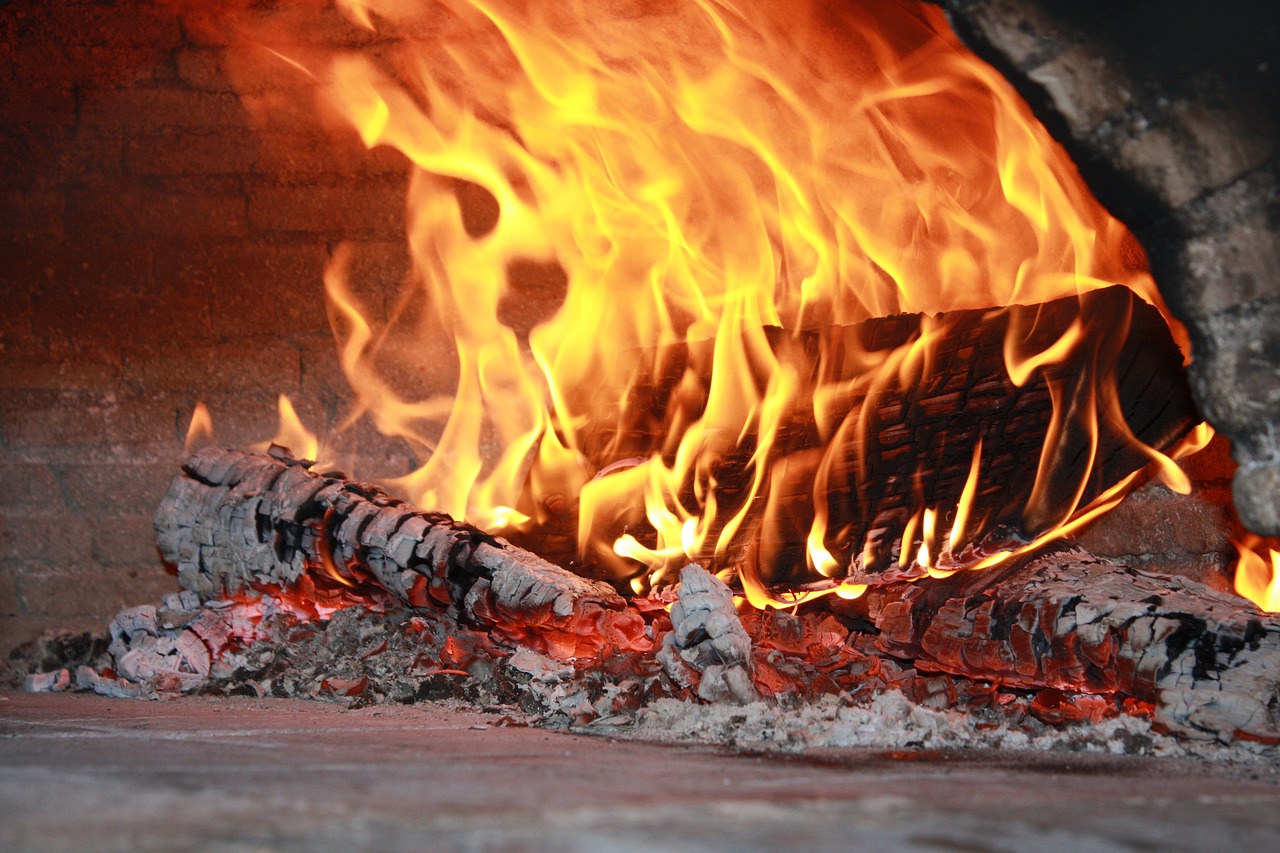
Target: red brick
239	419
32	214
52	65
77	318
322	378
159	109
81	265
28	369
231	151
319	155
362	452
252	288
29	484
40	419
1156	521
40	534
16	630
281	110
1212	464
91	590
125	540
40	109
91	160
110	424
367	210
253	366
203	68
117	24
133	212
8	592
112	489
377	271
55	160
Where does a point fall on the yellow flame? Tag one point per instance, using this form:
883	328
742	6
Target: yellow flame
965	505
291	433
714	185
1257	577
200	430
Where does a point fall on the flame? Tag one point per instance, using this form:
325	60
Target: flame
1258	577
200	430
703	190
292	433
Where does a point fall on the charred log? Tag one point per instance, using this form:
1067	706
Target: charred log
908	442
1069	621
232	522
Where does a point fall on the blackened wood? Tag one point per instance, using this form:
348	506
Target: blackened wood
233	521
918	432
1067	620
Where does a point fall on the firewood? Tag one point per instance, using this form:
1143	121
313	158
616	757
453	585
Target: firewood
1209	662
233	521
919	432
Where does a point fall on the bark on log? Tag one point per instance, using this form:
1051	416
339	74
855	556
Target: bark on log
233	521
1208	662
918	432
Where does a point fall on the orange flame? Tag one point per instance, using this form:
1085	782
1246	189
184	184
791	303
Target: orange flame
292	434
708	183
200	430
1258	577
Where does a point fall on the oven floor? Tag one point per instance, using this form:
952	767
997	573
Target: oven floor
86	773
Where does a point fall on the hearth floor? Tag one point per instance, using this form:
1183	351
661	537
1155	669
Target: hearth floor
86	773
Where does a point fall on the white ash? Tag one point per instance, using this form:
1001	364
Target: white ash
361	656
708	646
890	720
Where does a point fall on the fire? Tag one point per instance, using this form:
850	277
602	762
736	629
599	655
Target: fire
292	433
1258	577
717	186
200	430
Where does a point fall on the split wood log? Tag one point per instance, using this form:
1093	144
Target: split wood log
1209	662
233	521
888	450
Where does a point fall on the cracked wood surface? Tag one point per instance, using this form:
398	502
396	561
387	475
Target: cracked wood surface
1209	662
232	521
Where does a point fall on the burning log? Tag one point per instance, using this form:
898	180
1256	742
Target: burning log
941	406
232	522
1069	621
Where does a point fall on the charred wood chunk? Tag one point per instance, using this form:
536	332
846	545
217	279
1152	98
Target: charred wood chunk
1209	662
234	521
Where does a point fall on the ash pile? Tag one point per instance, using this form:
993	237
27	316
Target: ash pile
298	584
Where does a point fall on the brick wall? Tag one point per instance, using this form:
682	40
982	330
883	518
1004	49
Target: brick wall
158	247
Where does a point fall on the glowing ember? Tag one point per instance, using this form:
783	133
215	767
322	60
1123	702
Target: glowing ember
728	180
